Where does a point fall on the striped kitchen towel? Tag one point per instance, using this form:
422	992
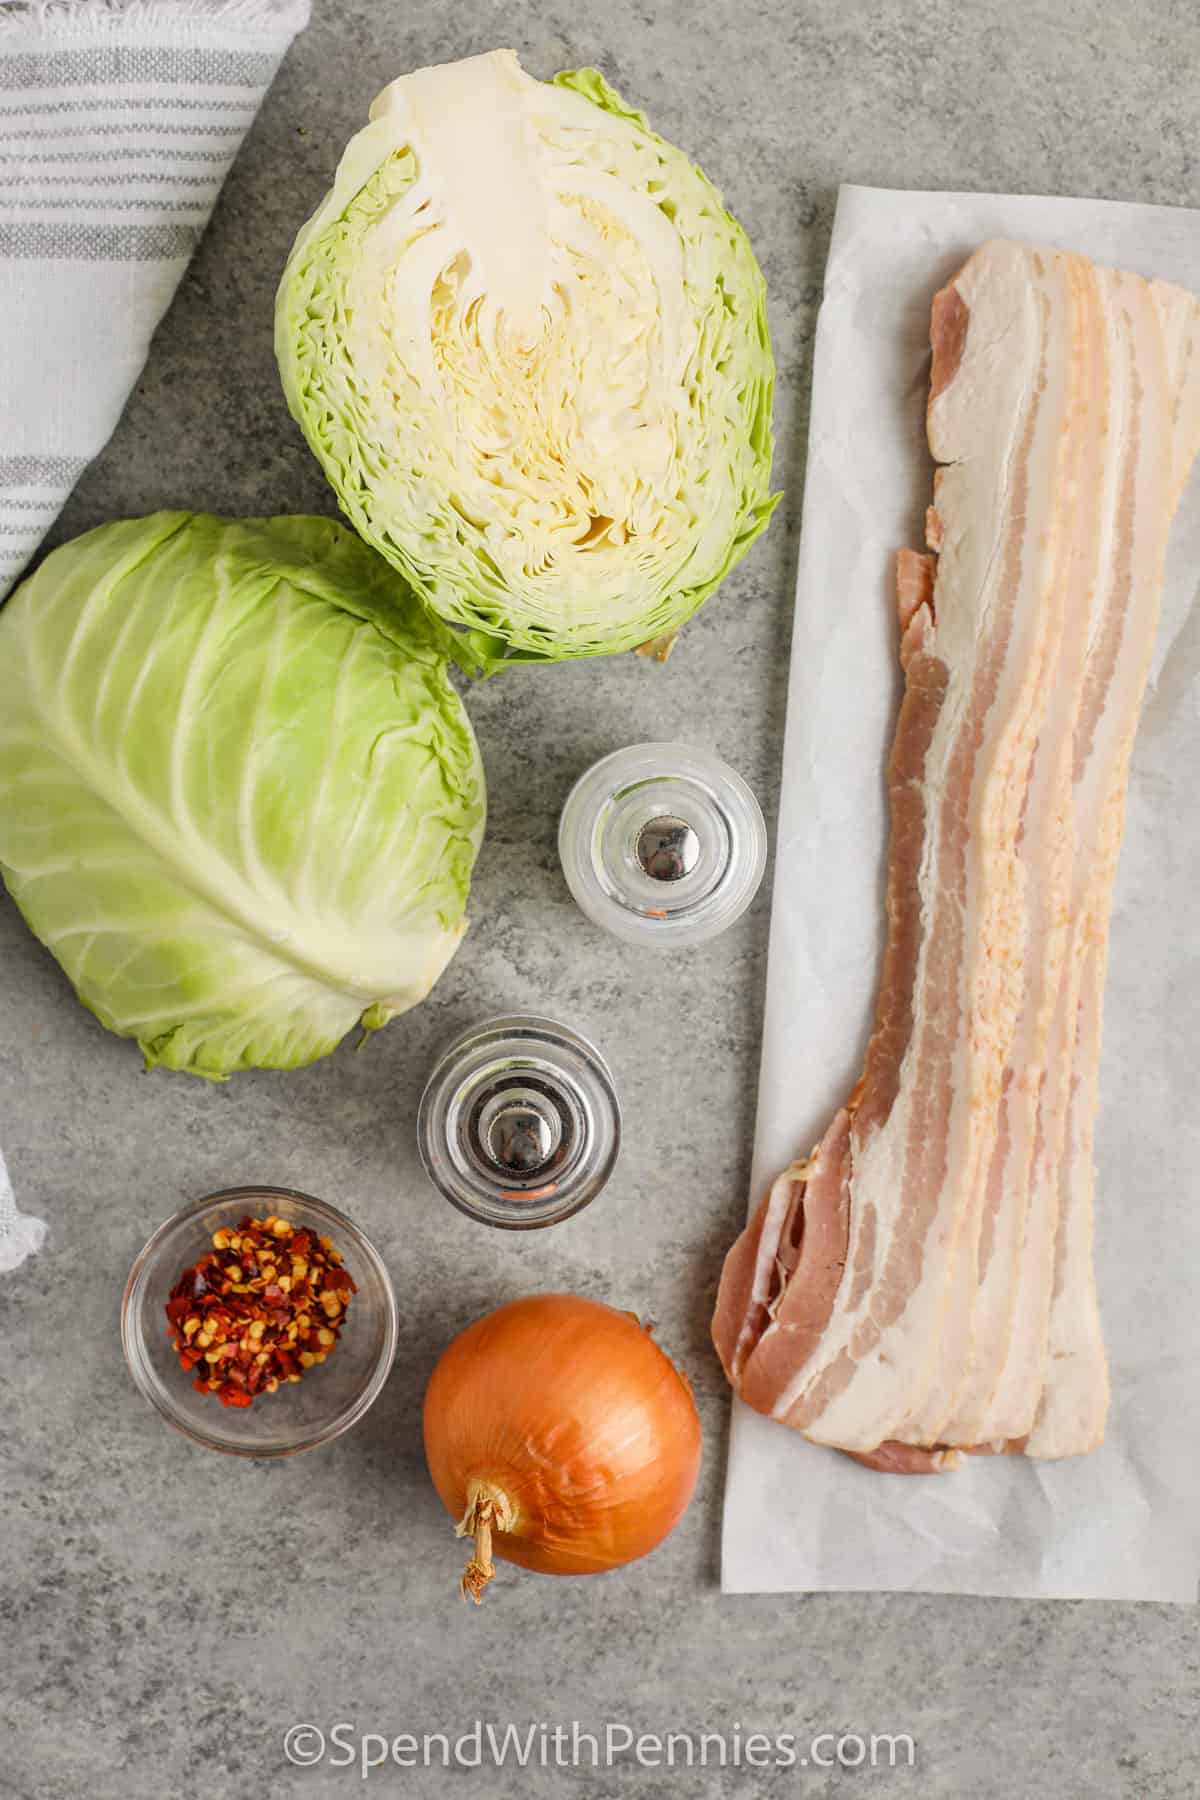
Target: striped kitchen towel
119	120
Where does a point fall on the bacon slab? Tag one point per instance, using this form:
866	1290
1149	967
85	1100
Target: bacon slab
923	1281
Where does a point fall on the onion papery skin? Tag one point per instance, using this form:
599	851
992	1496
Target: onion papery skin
570	1410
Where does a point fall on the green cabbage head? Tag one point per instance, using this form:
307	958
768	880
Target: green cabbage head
529	347
239	799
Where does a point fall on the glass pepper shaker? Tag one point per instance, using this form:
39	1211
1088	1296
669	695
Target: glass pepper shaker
519	1125
662	844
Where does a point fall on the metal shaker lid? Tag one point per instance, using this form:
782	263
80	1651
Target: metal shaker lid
662	844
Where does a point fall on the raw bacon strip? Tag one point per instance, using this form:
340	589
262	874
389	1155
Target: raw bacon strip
959	1301
914	586
1002	417
807	1203
1160	330
1044	850
1014	1403
1056	1364
1036	794
809	1262
1179	321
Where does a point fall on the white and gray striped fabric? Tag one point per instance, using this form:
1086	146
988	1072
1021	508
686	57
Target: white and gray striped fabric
118	122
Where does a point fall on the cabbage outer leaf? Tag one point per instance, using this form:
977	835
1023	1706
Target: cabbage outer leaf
239	799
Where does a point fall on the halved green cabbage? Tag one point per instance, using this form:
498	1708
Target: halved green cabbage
529	346
239	799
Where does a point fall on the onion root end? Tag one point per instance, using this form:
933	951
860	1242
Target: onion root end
488	1509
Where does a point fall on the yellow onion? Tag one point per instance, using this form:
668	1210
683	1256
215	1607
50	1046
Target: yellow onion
560	1437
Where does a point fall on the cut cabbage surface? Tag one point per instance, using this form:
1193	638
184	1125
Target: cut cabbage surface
529	346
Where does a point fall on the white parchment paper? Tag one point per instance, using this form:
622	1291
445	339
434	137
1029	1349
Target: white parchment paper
1123	1523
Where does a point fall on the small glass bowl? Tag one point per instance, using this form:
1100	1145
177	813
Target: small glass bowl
330	1398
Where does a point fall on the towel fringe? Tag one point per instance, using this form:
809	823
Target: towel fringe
91	20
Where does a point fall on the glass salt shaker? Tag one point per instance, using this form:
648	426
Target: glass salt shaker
519	1125
662	844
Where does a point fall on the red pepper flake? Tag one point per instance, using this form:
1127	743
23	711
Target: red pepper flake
263	1306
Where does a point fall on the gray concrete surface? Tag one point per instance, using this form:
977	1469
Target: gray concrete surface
165	1614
